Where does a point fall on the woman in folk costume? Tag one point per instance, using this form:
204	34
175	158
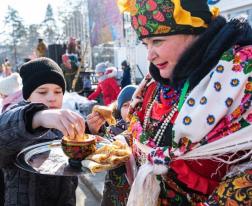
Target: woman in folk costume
191	120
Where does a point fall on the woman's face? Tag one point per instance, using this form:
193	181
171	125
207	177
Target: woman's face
125	111
49	94
164	52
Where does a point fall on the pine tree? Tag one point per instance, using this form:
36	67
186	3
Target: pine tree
15	30
49	26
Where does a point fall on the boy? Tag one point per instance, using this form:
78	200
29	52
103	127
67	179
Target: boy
38	119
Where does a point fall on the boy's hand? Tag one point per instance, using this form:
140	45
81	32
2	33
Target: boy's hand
68	122
95	121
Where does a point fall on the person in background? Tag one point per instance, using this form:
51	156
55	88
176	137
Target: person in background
191	119
107	85
126	78
87	83
10	90
116	188
78	49
41	49
10	94
7	68
70	63
38	119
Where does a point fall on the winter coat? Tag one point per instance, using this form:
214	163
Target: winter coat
108	88
22	187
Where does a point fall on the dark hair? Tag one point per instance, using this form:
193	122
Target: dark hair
124	63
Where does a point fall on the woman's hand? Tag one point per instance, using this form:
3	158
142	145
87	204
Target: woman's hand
70	123
95	121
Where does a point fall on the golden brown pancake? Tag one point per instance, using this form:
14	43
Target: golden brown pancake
106	113
107	157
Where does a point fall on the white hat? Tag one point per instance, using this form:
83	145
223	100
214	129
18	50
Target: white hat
111	72
101	67
10	84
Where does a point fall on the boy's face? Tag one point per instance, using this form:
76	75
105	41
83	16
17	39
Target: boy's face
49	94
125	111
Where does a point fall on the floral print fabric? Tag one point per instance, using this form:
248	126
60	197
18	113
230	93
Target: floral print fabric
166	17
235	191
220	106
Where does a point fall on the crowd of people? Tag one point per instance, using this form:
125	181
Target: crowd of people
39	86
188	123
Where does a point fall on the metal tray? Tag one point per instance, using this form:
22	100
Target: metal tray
48	158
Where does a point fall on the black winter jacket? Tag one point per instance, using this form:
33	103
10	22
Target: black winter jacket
21	187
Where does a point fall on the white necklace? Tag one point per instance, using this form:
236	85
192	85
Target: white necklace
157	138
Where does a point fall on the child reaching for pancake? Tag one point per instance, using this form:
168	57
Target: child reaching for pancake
116	188
38	119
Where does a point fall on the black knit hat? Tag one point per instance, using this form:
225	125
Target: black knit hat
38	72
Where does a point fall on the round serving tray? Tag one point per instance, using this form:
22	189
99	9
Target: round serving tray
48	158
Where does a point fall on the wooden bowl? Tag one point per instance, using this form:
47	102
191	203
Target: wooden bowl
79	150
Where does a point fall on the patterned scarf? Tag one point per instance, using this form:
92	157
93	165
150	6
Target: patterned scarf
168	17
224	128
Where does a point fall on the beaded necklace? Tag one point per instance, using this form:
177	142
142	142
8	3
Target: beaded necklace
158	136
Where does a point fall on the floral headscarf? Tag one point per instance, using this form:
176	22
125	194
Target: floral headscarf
166	17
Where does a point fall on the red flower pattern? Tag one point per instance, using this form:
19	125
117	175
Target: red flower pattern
135	22
237	68
157	15
249	118
159	153
142	20
151	5
144	31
